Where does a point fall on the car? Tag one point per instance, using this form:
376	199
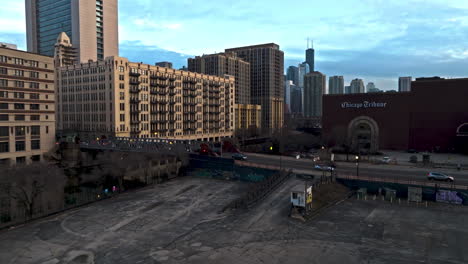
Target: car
437	176
386	160
239	156
323	168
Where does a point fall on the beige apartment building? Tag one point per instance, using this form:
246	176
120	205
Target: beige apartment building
119	98
92	26
27	106
267	81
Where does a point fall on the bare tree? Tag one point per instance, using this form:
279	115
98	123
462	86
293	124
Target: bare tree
36	188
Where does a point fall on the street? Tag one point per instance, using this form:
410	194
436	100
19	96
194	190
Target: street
365	169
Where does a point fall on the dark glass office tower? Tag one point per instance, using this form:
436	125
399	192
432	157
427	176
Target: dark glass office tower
46	19
310	59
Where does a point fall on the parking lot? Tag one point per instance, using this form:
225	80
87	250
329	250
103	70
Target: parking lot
182	222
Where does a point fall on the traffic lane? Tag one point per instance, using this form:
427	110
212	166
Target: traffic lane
363	167
408	174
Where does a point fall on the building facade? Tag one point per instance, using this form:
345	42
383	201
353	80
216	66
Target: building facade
248	117
421	119
65	53
336	85
225	63
314	89
91	25
27	106
267	81
116	97
404	84
357	86
310	59
292	74
288	87
296	101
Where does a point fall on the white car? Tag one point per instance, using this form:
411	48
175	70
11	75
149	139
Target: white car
436	176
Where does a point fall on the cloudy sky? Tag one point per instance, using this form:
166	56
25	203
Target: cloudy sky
377	40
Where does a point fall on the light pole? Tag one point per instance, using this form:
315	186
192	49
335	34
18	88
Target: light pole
357	166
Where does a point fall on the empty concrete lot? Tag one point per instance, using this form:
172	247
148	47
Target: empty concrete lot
181	222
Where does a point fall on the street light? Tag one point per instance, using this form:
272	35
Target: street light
357	166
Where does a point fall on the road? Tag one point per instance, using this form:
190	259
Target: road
365	169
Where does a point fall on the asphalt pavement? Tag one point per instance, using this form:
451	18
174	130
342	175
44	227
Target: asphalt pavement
365	169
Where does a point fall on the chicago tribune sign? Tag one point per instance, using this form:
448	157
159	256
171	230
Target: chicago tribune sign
364	104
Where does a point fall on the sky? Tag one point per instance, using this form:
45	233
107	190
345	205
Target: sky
376	40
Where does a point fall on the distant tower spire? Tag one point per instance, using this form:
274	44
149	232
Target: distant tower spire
312	42
308	43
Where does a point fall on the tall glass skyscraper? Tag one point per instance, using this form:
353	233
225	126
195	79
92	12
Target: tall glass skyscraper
51	17
92	26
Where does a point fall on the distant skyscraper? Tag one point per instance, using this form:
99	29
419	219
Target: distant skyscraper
164	64
292	74
220	64
357	86
267	81
404	84
371	88
91	25
336	85
347	90
303	69
296	100
310	57
288	87
314	89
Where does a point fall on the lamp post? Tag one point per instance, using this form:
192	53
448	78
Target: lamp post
357	166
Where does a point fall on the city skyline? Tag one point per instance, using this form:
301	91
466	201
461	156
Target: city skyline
151	36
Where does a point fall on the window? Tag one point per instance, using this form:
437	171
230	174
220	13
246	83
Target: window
34	75
19	73
4	106
19	84
3	58
18	95
34	118
19	61
4	131
47	129
34	85
35	144
34	63
20	160
4	118
35	130
34	107
4	147
122	107
3	82
3	94
36	158
20	117
122	118
19	106
121	77
33	96
20	131
20	146
3	71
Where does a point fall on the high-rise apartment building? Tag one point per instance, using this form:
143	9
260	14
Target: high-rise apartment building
404	84
247	118
225	63
165	64
314	89
266	79
116	97
27	106
357	86
336	85
91	25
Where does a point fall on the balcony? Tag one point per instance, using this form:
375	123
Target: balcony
172	78
134	100
134	122
162	101
163	92
153	76
134	82
154	112
171	93
163	77
135	90
153	84
135	74
172	86
154	91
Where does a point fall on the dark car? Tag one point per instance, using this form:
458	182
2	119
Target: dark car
239	156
